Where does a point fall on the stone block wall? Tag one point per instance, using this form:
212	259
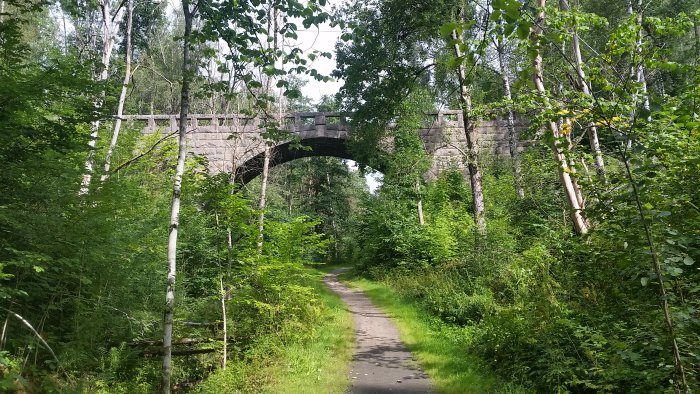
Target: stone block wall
231	141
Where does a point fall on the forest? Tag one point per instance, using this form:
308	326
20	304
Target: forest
566	260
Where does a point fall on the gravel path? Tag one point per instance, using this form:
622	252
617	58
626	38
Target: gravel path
382	363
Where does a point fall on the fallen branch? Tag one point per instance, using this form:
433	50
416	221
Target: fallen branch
204	324
159	353
182	341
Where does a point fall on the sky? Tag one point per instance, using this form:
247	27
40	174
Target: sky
321	38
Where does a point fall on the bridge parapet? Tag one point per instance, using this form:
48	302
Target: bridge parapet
293	122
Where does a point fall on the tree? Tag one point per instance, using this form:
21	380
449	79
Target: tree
390	56
513	139
571	188
466	106
122	95
175	205
109	36
583	84
238	25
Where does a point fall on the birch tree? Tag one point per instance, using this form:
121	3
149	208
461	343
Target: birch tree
122	96
572	190
584	86
637	66
419	204
272	29
175	205
472	144
263	196
109	36
238	25
513	138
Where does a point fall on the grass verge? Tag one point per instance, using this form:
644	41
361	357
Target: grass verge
322	364
318	364
440	348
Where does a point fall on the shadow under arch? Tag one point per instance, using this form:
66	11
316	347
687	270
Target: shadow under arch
287	151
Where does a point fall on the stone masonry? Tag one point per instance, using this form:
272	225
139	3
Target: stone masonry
235	143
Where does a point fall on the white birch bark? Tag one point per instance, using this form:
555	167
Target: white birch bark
175	206
263	194
472	144
421	219
571	189
108	39
591	129
122	95
224	357
419	204
513	137
637	68
272	27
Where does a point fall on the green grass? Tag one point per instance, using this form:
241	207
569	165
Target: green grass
318	364
322	364
440	348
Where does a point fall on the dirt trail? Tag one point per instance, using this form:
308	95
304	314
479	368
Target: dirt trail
382	363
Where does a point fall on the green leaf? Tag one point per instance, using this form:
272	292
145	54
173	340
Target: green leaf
675	271
509	28
292	93
523	29
688	260
447	28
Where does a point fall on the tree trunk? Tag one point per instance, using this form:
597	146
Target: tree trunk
421	220
419	204
592	129
472	145
175	207
108	38
289	191
224	357
263	192
637	69
272	26
237	131
571	189
513	137
122	95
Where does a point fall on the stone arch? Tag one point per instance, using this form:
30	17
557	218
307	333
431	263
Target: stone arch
288	151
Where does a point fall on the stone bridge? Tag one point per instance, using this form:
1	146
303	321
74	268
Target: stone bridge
235	143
